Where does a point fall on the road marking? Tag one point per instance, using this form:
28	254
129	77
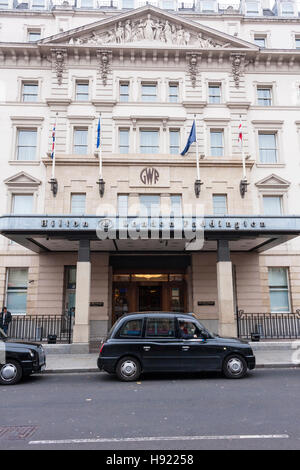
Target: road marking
161	438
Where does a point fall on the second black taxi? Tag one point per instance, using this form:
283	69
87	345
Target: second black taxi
170	342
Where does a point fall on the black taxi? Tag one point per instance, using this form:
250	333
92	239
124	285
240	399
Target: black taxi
170	342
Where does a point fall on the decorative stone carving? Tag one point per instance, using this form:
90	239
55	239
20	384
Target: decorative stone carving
147	30
103	57
59	63
237	62
193	69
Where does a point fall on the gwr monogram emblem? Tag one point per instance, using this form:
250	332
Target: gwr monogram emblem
149	176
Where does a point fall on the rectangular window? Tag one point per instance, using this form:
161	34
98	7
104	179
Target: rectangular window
78	204
149	141
81	141
176	205
29	91
26	144
124	140
150	205
267	147
128	4
82	91
16	291
219	204
124	92
123	205
264	96
252	8
287	9
22	204
173	93
279	290
260	41
272	205
149	92
214	94
160	327
208	7
3	4
168	4
131	329
216	143
34	35
297	42
38	4
87	3
174	141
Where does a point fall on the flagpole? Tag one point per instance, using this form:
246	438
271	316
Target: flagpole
53	180
197	151
243	182
99	146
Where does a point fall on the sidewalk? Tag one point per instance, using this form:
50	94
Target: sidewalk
268	354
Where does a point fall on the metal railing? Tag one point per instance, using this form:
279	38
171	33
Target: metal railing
268	325
38	327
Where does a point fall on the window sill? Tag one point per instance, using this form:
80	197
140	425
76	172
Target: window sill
25	162
270	165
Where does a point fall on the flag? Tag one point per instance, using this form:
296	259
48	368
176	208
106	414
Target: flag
240	139
98	134
53	141
191	139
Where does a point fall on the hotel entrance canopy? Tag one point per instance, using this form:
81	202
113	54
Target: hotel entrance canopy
46	233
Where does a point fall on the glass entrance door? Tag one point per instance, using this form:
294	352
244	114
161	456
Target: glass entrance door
150	298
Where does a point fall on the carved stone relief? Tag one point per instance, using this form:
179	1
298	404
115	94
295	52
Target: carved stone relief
146	30
58	57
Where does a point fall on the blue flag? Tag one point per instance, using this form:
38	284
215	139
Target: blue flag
98	134
191	139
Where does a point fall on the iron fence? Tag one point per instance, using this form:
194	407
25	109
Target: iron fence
39	327
268	325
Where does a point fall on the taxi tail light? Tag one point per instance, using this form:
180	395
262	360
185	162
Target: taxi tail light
101	347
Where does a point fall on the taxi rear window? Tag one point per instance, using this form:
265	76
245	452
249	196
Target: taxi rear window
131	329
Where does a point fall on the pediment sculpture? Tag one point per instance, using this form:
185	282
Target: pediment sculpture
148	30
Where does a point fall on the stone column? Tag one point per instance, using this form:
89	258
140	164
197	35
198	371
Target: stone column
227	322
83	286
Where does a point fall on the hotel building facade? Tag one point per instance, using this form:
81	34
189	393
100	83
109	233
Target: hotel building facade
70	234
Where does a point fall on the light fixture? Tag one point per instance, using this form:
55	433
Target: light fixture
243	186
54	186
197	187
101	183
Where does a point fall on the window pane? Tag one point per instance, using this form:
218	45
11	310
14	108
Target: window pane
123	205
30	92
267	148
150	205
279	301
148	92
278	277
78	204
174	142
214	94
26	144
82	91
123	140
216	143
16	302
22	204
16	299
80	141
264	96
176	205
17	278
124	92
149	141
132	328
272	205
219	204
162	327
261	42
173	93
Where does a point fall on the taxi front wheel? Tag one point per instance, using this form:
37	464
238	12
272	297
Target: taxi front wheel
128	369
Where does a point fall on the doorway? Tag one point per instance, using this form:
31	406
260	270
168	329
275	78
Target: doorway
141	292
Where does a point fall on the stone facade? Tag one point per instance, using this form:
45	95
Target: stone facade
192	50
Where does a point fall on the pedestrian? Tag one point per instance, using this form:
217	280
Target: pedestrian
5	319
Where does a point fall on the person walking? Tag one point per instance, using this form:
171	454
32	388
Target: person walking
5	319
